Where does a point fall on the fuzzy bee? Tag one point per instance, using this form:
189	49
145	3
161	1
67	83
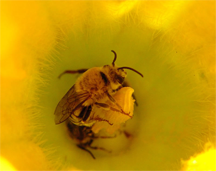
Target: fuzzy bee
84	137
94	88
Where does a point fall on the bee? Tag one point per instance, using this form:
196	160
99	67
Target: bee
84	137
94	87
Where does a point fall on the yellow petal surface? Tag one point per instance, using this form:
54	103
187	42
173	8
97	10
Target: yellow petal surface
172	43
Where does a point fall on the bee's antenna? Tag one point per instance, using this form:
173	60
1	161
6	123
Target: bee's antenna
113	63
132	70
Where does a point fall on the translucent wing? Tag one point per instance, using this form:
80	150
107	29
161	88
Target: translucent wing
71	101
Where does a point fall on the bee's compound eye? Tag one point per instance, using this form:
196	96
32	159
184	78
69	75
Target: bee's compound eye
122	71
120	79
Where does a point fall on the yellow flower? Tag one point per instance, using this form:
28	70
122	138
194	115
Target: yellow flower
172	43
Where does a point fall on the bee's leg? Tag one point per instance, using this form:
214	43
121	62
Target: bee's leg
83	148
107	107
95	148
101	119
113	101
126	84
103	137
79	71
100	148
88	144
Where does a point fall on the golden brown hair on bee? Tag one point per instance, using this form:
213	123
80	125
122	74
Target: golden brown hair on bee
84	137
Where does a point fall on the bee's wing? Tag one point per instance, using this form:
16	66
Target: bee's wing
71	101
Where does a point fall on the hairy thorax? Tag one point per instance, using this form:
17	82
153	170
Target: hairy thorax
92	82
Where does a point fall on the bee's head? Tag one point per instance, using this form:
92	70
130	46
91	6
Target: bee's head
117	74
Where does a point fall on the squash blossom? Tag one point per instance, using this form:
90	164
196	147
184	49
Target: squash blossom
172	43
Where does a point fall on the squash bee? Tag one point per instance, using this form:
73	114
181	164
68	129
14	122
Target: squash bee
84	137
94	87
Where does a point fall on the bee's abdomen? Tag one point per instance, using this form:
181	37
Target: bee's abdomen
85	113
